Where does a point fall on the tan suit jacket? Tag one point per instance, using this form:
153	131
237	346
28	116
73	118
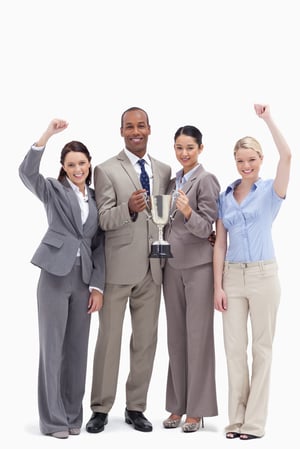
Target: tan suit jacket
127	242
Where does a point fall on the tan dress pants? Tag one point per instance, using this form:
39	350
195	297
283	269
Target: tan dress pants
253	291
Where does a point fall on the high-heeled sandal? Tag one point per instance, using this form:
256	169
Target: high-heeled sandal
248	436
171	422
232	435
193	426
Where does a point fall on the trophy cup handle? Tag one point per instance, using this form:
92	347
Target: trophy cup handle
148	206
175	195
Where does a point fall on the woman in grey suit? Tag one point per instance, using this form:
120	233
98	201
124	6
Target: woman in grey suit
188	287
71	259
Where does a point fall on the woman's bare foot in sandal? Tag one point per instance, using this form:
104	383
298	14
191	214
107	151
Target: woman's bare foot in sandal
248	436
232	435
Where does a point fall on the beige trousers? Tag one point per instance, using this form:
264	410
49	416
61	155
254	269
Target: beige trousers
143	300
253	290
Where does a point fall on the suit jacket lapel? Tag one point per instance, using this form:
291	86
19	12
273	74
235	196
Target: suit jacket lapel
189	184
93	212
156	177
128	167
71	196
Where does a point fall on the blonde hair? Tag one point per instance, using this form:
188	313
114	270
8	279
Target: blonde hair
248	143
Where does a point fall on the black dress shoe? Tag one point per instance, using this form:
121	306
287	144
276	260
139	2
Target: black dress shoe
139	421
97	422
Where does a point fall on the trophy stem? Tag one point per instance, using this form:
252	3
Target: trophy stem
160	232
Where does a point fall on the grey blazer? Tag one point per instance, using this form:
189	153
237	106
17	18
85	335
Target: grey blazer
66	234
127	242
189	244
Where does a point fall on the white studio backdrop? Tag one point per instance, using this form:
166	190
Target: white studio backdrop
184	62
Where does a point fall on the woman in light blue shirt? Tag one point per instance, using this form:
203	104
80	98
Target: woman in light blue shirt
246	280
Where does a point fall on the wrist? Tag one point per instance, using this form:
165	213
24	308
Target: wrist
133	215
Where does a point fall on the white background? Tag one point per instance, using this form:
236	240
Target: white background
185	62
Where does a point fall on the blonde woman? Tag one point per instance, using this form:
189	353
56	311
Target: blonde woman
246	280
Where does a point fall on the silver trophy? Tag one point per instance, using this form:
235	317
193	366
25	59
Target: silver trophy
158	209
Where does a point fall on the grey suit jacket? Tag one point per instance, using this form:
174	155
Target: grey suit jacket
189	244
66	234
127	242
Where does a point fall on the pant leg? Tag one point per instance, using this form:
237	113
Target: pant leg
144	311
263	290
175	306
75	350
235	332
108	347
53	295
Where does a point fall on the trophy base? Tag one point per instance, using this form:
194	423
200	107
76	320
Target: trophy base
161	251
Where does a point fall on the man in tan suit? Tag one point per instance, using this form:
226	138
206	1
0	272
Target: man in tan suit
130	275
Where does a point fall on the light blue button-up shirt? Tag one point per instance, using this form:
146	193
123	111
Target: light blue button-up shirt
249	224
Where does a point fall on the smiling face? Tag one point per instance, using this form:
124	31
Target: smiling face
76	166
135	130
187	151
248	163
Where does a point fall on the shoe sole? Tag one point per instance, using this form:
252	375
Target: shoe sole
95	431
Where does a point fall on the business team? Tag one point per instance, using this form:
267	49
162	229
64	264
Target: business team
80	274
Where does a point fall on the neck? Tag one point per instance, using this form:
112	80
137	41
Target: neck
247	183
186	170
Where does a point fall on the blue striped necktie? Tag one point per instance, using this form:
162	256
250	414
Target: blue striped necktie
144	178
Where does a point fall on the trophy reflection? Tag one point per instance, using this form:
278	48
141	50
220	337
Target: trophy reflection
160	206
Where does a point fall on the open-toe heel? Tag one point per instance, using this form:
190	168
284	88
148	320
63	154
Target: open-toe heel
248	436
193	426
232	435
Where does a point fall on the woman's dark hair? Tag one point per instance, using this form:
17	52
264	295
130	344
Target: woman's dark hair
77	147
189	130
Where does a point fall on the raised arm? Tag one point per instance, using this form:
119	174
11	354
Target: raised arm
55	126
29	169
283	168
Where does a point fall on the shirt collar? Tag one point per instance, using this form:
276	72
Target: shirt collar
134	159
76	188
233	185
180	176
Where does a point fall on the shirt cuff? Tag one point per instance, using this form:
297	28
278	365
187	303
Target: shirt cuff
95	288
36	148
